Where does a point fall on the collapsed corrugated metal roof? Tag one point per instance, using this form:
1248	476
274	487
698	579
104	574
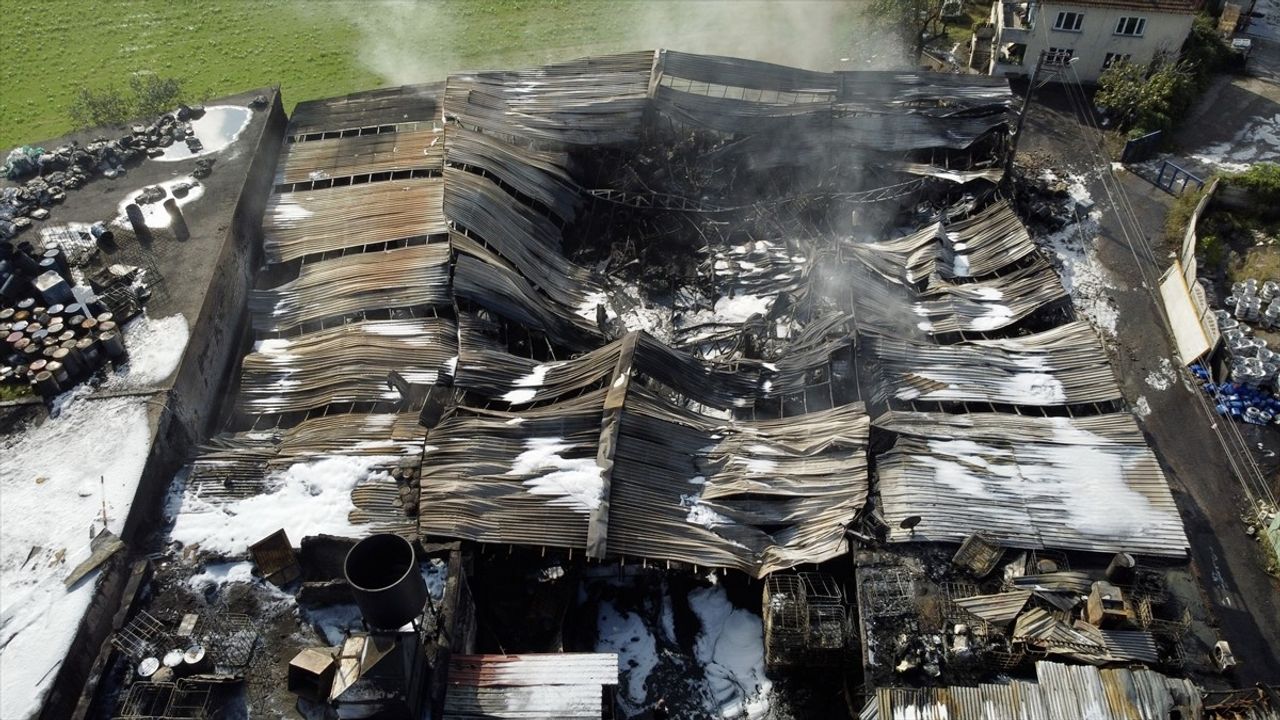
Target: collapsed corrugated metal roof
682	459
416	276
752	495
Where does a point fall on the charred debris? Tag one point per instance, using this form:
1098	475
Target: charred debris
620	337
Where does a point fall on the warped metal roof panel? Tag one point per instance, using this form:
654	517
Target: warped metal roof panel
406	277
1066	365
1071	483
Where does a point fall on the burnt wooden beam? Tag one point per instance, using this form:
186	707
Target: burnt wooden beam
619	384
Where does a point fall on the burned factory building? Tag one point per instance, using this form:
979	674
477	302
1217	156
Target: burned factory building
652	385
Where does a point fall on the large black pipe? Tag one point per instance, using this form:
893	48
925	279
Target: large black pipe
176	221
139	222
386	581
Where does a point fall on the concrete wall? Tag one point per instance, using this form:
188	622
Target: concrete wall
184	418
1165	32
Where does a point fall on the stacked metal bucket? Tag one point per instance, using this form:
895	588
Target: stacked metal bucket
1256	303
1252	362
53	348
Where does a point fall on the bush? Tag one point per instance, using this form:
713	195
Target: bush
1262	182
149	95
1212	248
1205	48
101	107
153	94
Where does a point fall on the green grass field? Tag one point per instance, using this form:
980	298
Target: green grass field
320	48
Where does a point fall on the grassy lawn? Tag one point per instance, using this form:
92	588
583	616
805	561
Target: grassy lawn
320	48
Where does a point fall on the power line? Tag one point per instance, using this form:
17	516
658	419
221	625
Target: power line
1240	458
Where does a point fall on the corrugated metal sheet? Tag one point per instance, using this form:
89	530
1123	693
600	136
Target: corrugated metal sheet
408	277
999	608
406	103
1066	365
318	221
345	364
1073	483
528	686
413	146
752	495
1061	692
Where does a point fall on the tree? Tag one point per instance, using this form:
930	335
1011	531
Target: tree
916	22
1148	97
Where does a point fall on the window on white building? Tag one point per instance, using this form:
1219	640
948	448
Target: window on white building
1058	56
1113	58
1069	21
1131	26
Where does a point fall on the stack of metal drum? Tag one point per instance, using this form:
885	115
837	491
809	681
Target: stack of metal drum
49	339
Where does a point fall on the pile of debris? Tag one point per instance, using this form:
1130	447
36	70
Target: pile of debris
49	174
928	623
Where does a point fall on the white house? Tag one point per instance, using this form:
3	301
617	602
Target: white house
1095	32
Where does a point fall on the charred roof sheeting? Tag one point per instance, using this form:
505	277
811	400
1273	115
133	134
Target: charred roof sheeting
481	278
1089	484
1062	692
306	223
409	148
1063	366
988	305
529	241
894	130
752	496
924	91
975	247
417	275
502	376
346	364
739	72
887	111
777	493
367	109
234	465
477	480
590	101
538	174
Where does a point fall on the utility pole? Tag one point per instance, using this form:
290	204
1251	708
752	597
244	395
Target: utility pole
1045	58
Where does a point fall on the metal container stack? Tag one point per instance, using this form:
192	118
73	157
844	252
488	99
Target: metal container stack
48	339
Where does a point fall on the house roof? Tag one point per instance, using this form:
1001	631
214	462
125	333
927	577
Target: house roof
1168	6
